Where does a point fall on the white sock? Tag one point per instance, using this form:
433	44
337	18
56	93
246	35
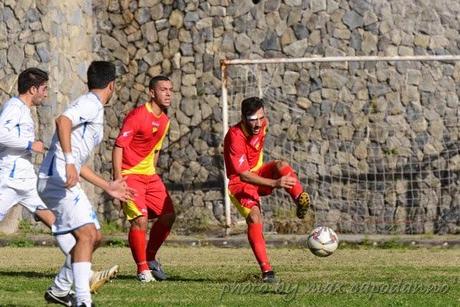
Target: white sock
64	279
81	273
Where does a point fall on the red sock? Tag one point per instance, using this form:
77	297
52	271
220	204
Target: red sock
137	244
297	188
257	241
158	235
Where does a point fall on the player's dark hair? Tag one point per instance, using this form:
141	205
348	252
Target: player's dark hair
250	105
31	77
100	74
156	79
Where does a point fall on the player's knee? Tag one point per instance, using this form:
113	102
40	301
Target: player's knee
87	236
280	164
98	240
254	217
139	223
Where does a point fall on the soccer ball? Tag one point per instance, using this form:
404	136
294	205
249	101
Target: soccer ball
322	241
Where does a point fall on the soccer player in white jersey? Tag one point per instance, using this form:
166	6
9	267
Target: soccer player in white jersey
18	179
17	143
78	130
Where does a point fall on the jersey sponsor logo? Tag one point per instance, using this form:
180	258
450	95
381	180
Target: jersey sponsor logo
155	127
76	199
242	159
126	133
6	124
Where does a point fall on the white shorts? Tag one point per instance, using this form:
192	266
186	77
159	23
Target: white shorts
71	207
19	191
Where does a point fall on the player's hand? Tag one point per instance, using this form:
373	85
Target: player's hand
38	147
120	190
71	175
286	182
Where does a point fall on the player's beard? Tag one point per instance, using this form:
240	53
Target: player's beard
256	130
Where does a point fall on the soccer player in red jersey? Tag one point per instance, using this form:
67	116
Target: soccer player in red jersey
250	178
134	157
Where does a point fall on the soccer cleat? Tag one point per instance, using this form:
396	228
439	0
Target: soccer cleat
268	277
157	270
99	278
53	298
86	305
145	276
303	202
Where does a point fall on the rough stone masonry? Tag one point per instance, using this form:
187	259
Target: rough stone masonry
185	40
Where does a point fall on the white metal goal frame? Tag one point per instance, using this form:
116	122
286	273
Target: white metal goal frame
225	63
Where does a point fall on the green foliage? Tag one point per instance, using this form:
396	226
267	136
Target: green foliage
25	226
110	228
21	242
117	242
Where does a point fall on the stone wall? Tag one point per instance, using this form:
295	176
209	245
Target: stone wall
56	36
185	40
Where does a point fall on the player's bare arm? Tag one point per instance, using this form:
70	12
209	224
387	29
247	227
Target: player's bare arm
253	178
117	189
155	160
64	129
117	157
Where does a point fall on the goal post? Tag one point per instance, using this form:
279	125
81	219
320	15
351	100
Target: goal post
375	140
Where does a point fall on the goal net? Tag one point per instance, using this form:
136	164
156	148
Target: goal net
375	141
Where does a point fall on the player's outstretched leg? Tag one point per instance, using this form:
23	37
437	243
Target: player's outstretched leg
158	234
301	198
86	237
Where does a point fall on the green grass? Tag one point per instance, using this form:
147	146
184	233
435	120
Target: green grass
208	276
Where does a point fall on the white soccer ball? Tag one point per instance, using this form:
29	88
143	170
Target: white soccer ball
322	241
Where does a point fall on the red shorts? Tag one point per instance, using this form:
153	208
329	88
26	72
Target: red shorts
245	195
152	198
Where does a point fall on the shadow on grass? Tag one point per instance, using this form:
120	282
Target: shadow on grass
222	279
27	274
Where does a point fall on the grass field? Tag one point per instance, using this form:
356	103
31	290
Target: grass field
209	276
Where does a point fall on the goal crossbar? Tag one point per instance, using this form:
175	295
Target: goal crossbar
316	59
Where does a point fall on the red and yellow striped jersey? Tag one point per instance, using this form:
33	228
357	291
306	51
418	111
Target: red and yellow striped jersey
141	138
242	151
